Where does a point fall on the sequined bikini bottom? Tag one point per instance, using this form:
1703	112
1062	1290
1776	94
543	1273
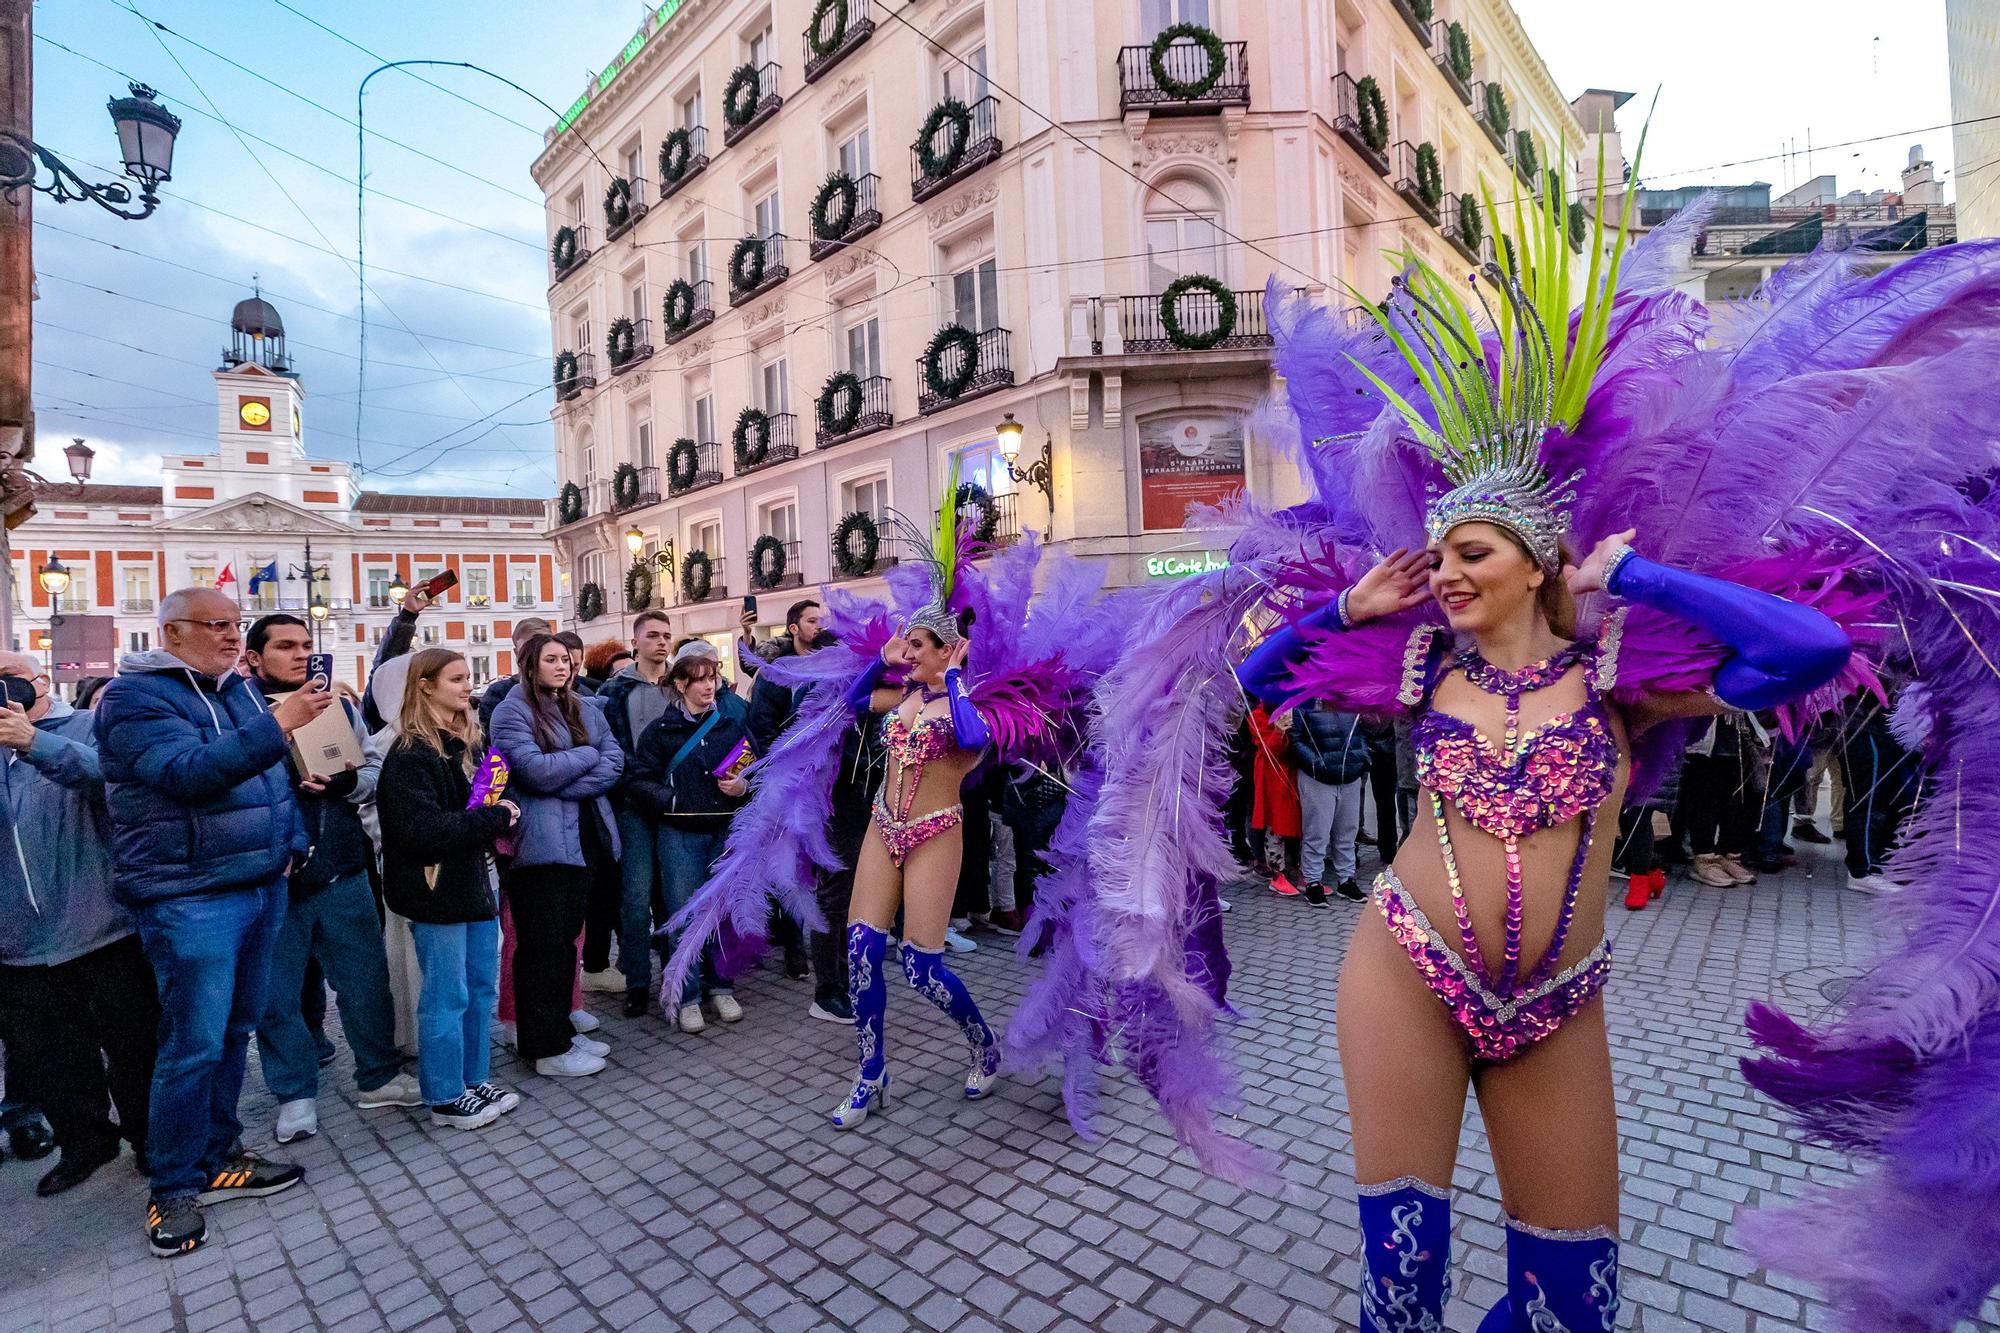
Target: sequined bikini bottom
1497	1027
902	837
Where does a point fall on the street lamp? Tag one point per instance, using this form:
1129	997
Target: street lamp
78	456
54	578
634	540
146	132
1040	474
398	590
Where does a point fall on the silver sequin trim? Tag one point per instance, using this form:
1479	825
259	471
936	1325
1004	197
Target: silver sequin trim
1416	653
1604	675
1503	1010
1548	1233
1404	1183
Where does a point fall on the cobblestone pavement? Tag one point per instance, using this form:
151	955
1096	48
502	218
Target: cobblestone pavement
695	1184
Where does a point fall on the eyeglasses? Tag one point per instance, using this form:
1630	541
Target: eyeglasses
212	626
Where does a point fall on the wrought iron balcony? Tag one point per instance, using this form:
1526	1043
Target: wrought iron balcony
1347	123
872	415
696	163
867	217
1408	182
982	145
1201	315
793	577
1186	64
774	270
579	251
648	492
992	368
840	43
782	446
888	552
1419	24
635	208
136	606
524	600
707	472
1460	83
768	103
1495	127
571	382
1469	241
701	312
1006	523
380	601
718	582
625	349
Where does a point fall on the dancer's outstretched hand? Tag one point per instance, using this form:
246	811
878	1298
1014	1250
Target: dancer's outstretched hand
959	652
1399	581
1589	576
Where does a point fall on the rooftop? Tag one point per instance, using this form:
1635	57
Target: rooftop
380	502
68	492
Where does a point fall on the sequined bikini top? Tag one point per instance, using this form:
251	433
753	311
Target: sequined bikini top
913	747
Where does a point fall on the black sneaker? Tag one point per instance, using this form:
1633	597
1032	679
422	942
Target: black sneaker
504	1098
1351	891
248	1176
1315	893
174	1226
470	1111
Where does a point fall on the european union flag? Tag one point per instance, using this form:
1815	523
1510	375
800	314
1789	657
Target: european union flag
268	574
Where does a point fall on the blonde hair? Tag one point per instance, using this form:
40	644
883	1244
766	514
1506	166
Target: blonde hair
423	723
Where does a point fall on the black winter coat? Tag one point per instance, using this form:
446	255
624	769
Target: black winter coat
421	801
689	796
1329	747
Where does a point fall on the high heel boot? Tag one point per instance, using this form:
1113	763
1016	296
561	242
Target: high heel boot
868	994
940	985
1557	1280
1405	1256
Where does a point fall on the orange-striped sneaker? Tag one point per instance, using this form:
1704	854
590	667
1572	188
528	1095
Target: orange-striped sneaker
248	1176
174	1226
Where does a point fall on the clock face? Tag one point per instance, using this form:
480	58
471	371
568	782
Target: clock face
295	419
255	413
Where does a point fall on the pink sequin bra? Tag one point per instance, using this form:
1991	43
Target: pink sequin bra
1562	770
910	748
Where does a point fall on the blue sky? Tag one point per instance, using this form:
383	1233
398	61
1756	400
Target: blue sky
126	367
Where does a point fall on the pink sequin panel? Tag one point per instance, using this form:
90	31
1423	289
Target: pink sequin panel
913	747
903	838
1496	1029
1552	774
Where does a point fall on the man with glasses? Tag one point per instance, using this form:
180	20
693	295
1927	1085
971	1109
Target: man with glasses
75	989
203	831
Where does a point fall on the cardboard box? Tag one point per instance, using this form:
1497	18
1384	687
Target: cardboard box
325	746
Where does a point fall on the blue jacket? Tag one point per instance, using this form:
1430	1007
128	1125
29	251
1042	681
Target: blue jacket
195	779
550	786
64	908
1329	747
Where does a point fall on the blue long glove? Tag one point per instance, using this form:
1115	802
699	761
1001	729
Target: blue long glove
1778	649
967	726
860	695
1260	671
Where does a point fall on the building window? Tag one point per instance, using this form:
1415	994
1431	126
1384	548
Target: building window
869	495
524	589
853	154
378	587
706	537
138	641
481	633
575	207
766	210
1183	233
864	348
199	576
975	296
428	572
1159	15
763	47
482	669
780	520
962	72
690	110
138	588
580	339
636	303
696	270
642	438
589	461
773	385
478	586
701	419
429	635
635	160
375	637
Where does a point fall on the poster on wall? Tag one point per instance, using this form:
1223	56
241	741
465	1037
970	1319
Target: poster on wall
1185	460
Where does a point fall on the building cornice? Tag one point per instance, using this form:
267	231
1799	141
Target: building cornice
1502	19
662	42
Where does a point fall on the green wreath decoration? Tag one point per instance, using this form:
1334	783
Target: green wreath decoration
1191	89
746	263
816	37
1430	179
767	562
839	405
1496	108
569	503
1579	225
835	205
1471	228
566	371
936	165
1372	112
697	575
562	250
736	109
618	203
944	339
750	442
1458	51
1526	163
625	485
677	310
676	153
683	463
1423	9
1170	313
589	602
972	494
638	586
856	543
621	341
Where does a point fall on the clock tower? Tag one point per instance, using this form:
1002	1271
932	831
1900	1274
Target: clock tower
259	398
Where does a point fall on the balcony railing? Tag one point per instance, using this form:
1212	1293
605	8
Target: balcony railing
718	583
781	447
1495	131
837	43
478	599
888	552
625	350
1441	44
136	606
571	382
992	368
867	217
1408	182
873	414
635	208
1187	65
982	145
697	162
523	600
1006	522
707	470
380	601
793	577
775	272
701	312
1347	123
579	252
1470	242
768	103
648	492
1201	315
1416	23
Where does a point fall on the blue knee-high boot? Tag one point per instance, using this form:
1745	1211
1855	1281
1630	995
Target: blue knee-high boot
1557	1282
868	994
940	985
1405	1256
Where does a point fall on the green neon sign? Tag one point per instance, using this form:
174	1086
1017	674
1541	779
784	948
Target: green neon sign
1180	566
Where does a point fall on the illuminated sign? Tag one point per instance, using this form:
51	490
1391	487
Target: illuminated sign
1180	566
661	16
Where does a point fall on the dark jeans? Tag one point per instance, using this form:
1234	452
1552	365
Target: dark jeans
1719	803
1790	762
975	864
686	857
336	926
547	904
1634	854
639	898
211	956
83	1036
1389	825
603	914
1880	782
835	890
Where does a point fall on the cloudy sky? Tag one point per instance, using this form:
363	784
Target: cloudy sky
131	316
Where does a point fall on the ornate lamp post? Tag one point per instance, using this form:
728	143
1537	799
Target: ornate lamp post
1040	473
146	132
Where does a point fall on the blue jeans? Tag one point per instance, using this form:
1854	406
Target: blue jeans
339	927
461	967
211	954
686	856
639	877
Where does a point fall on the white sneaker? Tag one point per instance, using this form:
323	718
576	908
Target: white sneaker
825	1015
509	1037
957	943
726	1008
1871	884
401	1090
589	1047
572	1063
1225	904
298	1120
585	1021
608	982
690	1018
